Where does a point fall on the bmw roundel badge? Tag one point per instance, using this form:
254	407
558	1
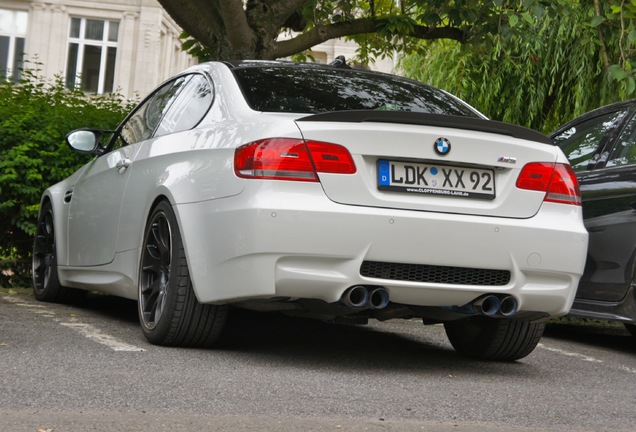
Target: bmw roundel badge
442	146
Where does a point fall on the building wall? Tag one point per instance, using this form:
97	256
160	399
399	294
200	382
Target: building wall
148	46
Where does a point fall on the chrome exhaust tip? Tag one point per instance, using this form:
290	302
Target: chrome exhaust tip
509	306
356	297
487	305
379	298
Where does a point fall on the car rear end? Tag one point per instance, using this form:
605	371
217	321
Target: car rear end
480	224
388	208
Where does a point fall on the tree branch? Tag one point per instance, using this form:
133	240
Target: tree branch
320	34
182	12
283	9
239	33
601	39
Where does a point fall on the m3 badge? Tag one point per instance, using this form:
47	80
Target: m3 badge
507	159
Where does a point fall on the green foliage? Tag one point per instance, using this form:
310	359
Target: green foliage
35	116
195	48
540	69
618	22
380	27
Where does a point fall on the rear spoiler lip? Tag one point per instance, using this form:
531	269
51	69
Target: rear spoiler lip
426	119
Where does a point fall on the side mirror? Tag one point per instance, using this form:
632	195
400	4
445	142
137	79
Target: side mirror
86	141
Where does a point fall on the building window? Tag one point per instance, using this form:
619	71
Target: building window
92	51
13	28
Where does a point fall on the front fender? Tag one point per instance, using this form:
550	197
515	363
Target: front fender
56	196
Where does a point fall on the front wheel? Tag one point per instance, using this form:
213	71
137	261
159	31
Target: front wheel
631	328
169	311
46	283
494	338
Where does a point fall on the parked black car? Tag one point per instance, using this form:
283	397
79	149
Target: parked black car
601	146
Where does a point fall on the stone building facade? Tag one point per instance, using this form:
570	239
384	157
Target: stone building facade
99	46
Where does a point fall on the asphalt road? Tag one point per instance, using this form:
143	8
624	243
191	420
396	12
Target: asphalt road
88	368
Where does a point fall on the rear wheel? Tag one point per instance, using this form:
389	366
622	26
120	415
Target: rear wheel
169	312
494	338
631	328
46	283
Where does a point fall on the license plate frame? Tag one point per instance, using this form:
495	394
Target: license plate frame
430	178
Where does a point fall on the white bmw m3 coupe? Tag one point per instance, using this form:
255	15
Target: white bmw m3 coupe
317	191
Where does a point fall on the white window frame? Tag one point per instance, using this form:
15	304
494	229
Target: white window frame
82	42
13	34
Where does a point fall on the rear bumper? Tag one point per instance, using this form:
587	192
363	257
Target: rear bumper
296	243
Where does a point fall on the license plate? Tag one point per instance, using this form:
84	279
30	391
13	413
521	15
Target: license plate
433	179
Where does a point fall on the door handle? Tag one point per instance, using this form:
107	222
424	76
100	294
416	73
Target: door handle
122	165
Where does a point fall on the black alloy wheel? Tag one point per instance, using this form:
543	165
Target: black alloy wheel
169	311
46	284
155	271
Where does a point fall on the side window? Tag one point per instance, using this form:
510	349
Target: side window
624	152
582	144
142	123
189	107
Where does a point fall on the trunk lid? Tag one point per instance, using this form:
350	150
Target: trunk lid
476	176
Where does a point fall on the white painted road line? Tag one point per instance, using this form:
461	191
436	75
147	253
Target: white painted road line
627	369
14	300
86	330
570	354
94	334
584	357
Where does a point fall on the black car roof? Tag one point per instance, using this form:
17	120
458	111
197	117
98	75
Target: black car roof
631	103
239	64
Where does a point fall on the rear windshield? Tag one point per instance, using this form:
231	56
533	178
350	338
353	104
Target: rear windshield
317	90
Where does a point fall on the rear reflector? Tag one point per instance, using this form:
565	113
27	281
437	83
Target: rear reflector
557	180
291	159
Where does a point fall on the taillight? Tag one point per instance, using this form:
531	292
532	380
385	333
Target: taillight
291	159
331	158
557	180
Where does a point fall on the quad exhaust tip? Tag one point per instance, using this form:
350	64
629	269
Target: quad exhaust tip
361	297
492	305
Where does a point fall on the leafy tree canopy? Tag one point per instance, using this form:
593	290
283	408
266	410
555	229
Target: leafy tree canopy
531	62
271	29
547	63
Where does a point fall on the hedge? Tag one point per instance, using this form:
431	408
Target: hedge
35	116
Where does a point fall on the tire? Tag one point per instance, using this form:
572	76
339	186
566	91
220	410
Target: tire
494	338
45	279
169	311
631	328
